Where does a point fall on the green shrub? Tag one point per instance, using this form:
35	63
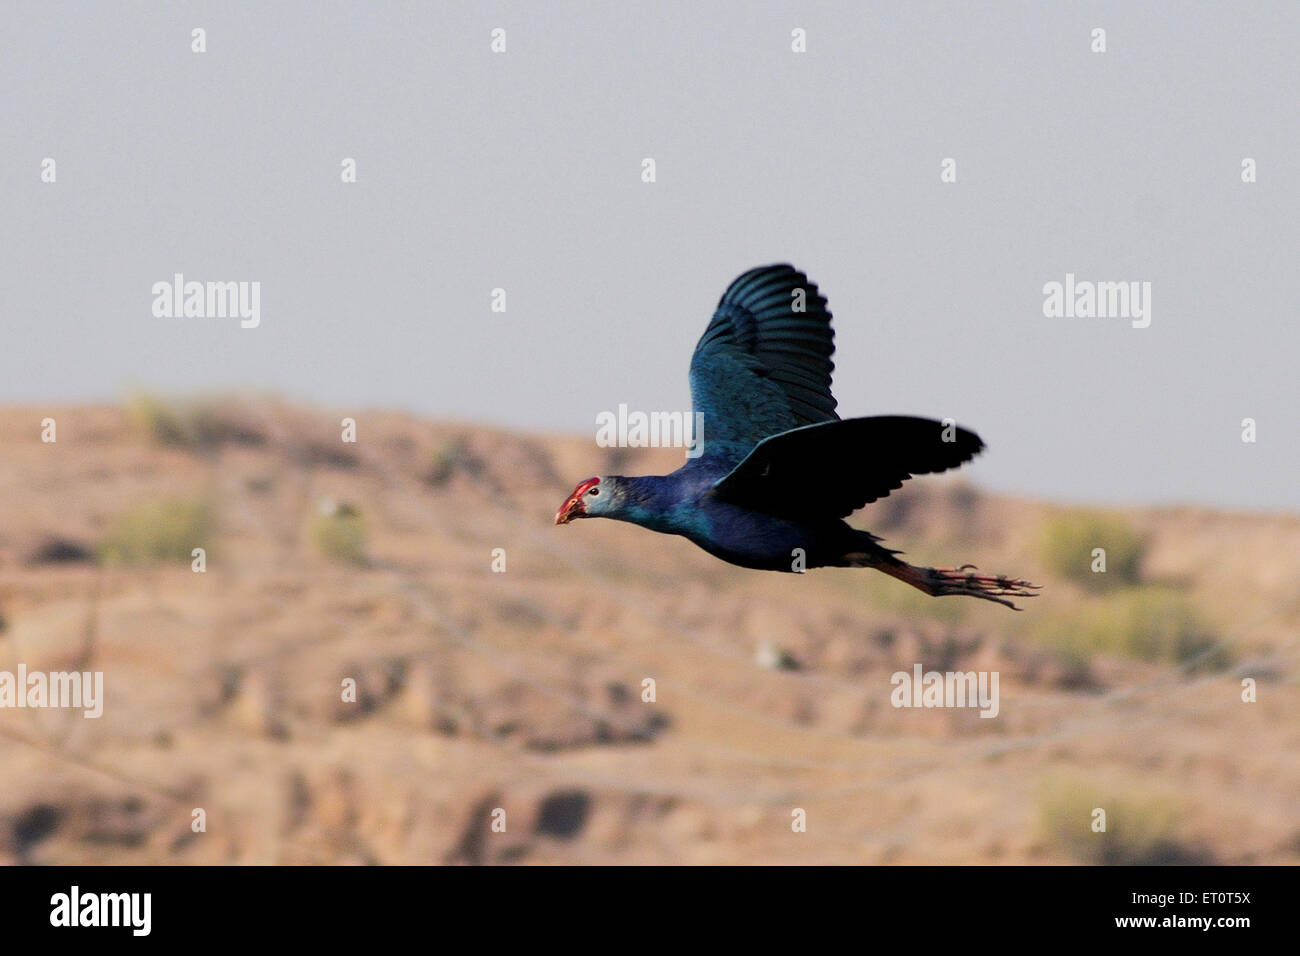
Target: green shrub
1139	831
1150	623
451	456
158	420
202	423
340	535
1069	540
162	531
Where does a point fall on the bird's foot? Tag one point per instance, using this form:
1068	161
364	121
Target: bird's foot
990	587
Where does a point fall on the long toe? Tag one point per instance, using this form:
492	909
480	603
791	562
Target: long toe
989	587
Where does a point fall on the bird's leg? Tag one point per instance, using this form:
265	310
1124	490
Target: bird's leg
942	582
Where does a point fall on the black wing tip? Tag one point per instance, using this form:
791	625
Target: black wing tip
969	445
772	270
770	267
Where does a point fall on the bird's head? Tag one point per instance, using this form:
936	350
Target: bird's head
593	498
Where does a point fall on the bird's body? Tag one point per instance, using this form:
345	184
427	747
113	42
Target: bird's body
779	470
682	503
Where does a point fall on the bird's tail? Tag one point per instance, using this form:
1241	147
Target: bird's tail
939	582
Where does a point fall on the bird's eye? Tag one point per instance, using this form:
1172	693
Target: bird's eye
594	491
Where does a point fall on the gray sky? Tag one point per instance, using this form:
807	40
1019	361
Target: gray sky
522	171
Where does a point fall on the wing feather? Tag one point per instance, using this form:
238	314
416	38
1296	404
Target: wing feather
762	368
832	469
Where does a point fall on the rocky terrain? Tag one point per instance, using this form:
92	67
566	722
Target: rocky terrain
518	696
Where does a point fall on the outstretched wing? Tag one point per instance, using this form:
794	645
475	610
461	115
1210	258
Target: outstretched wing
833	469
763	365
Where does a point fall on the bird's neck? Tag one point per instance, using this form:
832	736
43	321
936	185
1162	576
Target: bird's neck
648	500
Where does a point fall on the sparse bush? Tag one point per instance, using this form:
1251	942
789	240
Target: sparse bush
327	451
158	420
450	457
1069	540
162	531
1139	831
1150	623
340	534
193	424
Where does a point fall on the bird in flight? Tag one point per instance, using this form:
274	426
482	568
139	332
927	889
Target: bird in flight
779	470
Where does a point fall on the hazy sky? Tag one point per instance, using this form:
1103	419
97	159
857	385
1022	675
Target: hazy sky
522	171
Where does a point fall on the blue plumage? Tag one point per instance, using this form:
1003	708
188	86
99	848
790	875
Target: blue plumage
779	470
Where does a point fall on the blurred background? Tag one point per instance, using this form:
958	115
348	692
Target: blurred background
521	690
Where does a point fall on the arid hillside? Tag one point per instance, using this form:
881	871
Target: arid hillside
500	711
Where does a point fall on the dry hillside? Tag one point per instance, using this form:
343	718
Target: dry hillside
522	690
